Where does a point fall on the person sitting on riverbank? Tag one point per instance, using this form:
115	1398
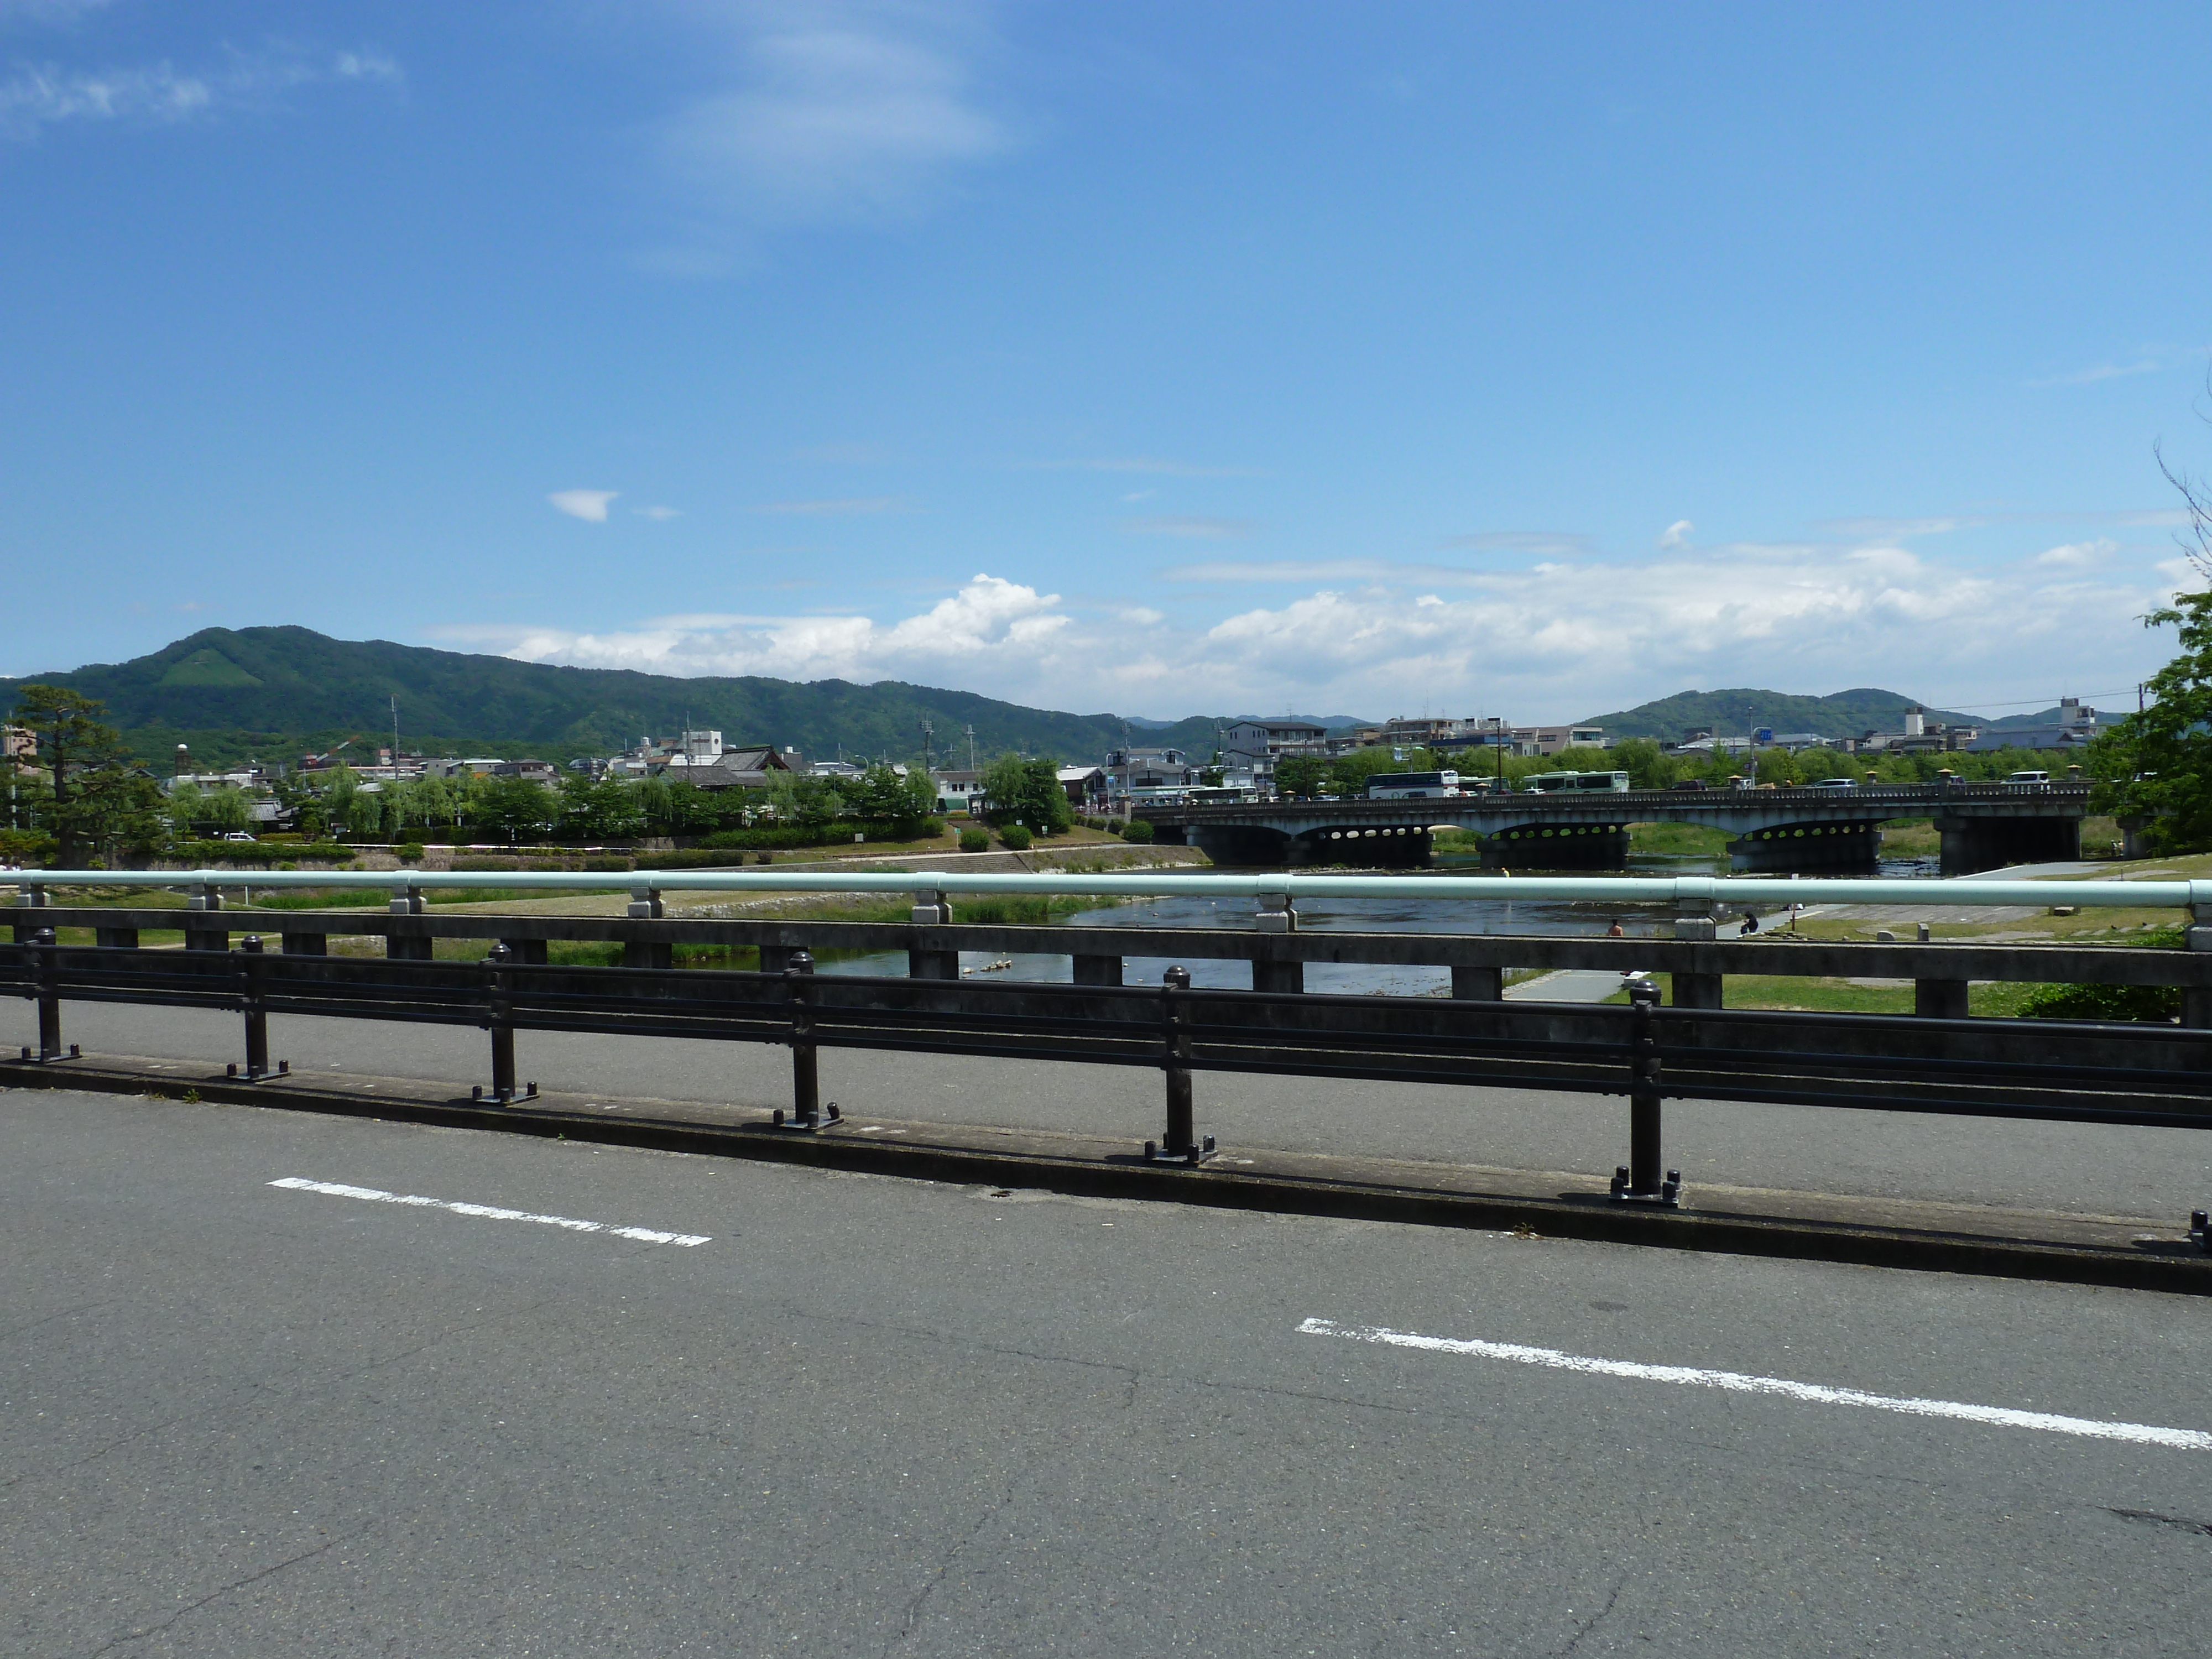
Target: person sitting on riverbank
1750	925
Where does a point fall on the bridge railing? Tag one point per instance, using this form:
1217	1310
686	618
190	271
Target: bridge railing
2095	1074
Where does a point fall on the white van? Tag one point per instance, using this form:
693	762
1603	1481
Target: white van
2027	780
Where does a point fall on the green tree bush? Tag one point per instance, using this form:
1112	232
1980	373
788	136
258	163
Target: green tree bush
1014	837
1027	792
1137	831
975	840
95	801
2155	767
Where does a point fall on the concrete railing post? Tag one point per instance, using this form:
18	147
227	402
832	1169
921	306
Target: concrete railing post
2195	1001
1089	970
931	911
1478	984
1270	972
205	899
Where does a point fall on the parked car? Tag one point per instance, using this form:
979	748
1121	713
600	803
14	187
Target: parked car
234	835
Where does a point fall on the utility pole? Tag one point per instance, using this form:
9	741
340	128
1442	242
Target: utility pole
395	738
971	748
928	764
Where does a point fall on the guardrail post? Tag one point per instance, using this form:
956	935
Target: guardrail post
525	952
499	1019
253	1003
644	901
931	911
807	1111
206	897
50	1000
1939	999
1478	984
1640	1181
1182	1145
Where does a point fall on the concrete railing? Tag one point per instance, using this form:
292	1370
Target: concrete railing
1727	892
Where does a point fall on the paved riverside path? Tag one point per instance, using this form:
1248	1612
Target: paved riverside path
2156	1175
873	1416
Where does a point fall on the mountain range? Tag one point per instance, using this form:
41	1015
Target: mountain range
271	693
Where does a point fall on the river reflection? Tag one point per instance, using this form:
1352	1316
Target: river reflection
1357	915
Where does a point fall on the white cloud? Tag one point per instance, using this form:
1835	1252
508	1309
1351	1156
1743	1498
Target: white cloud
1555	640
1204	529
658	515
44	95
835	111
2075	554
1677	534
1557	541
989	628
587	504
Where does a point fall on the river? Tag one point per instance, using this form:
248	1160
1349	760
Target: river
1362	915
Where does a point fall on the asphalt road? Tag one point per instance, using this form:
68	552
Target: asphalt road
876	1417
2156	1174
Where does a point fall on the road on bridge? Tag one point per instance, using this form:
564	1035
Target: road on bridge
2157	1175
567	1400
284	1383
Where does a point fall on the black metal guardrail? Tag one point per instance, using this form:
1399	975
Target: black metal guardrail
2157	1076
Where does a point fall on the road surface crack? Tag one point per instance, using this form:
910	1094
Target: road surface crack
2153	1518
1593	1622
238	1584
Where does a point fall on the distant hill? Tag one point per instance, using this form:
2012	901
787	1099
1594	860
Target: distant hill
272	693
1737	714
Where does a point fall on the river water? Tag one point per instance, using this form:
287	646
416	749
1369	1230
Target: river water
1361	915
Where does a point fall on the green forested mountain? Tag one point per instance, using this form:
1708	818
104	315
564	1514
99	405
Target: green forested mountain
1737	714
271	693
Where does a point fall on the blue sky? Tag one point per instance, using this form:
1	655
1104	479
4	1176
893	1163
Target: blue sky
1157	359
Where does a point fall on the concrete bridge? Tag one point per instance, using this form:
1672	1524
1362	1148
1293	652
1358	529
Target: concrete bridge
1984	826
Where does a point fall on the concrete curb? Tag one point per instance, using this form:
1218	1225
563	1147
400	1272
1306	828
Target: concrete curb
2179	1270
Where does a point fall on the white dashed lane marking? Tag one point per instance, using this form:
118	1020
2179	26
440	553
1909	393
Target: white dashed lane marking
488	1212
1741	1383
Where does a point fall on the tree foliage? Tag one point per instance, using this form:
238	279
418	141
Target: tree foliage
95	800
1027	792
2156	766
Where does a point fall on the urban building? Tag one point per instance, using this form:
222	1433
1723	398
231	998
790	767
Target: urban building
2074	727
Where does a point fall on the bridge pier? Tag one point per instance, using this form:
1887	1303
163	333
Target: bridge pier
1804	847
1974	844
1558	847
1390	844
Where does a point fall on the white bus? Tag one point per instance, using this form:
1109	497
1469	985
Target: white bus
1411	785
1575	783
